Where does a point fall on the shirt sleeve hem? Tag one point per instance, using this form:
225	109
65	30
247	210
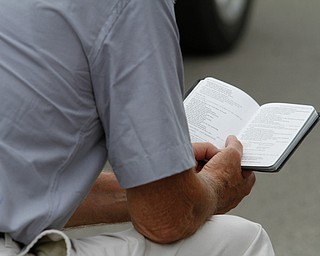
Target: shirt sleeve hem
147	169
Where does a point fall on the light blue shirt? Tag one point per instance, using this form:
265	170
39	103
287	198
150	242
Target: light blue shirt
82	82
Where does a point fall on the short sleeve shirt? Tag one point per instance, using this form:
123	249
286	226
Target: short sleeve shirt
83	82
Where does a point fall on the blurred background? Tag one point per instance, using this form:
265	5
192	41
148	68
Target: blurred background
276	60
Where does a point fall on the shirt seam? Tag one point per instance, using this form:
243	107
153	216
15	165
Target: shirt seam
105	30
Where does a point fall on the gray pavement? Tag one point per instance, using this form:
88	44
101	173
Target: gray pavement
278	60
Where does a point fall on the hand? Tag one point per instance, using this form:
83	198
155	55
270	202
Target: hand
223	169
203	152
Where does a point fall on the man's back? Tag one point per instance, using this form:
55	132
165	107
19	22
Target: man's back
63	66
47	111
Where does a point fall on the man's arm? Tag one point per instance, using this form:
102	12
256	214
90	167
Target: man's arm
106	203
175	207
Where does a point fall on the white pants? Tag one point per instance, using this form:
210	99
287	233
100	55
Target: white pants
221	235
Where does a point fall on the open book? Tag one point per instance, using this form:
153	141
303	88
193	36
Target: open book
269	133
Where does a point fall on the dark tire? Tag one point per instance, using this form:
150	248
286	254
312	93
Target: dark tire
211	26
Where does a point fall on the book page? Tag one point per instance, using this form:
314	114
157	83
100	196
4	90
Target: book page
271	131
215	110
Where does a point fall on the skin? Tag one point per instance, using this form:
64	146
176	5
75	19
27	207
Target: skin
105	203
175	207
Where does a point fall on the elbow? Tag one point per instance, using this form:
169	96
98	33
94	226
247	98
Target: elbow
166	233
170	209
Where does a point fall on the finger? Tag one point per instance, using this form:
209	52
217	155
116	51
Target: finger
248	184
246	173
251	179
204	151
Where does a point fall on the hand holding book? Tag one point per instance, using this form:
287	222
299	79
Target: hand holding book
269	133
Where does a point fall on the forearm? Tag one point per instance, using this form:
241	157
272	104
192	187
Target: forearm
173	208
106	203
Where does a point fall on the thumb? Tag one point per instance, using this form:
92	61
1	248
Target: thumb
233	142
